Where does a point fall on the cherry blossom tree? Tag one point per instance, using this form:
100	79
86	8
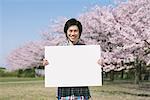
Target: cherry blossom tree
27	56
134	20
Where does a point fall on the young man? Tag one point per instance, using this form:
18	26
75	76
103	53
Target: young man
72	30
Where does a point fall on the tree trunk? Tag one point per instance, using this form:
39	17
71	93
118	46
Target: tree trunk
102	76
112	75
122	72
137	79
137	71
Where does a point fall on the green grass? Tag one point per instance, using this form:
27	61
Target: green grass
16	79
33	89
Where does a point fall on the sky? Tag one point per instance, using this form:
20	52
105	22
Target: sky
22	21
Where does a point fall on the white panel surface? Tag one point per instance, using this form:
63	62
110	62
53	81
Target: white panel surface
73	66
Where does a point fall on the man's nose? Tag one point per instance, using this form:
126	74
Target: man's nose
73	32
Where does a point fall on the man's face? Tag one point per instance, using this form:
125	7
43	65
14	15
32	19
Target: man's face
73	33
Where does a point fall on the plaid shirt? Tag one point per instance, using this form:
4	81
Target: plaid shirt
73	91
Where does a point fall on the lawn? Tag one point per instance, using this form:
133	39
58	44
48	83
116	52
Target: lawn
33	89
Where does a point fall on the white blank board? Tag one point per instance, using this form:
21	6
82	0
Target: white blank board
71	66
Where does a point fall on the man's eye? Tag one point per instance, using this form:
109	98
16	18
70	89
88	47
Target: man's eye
70	30
75	30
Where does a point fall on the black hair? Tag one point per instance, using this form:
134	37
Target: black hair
71	22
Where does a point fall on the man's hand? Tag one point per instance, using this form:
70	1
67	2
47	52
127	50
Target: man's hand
100	62
45	62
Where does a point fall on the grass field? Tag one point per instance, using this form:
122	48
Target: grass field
33	89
